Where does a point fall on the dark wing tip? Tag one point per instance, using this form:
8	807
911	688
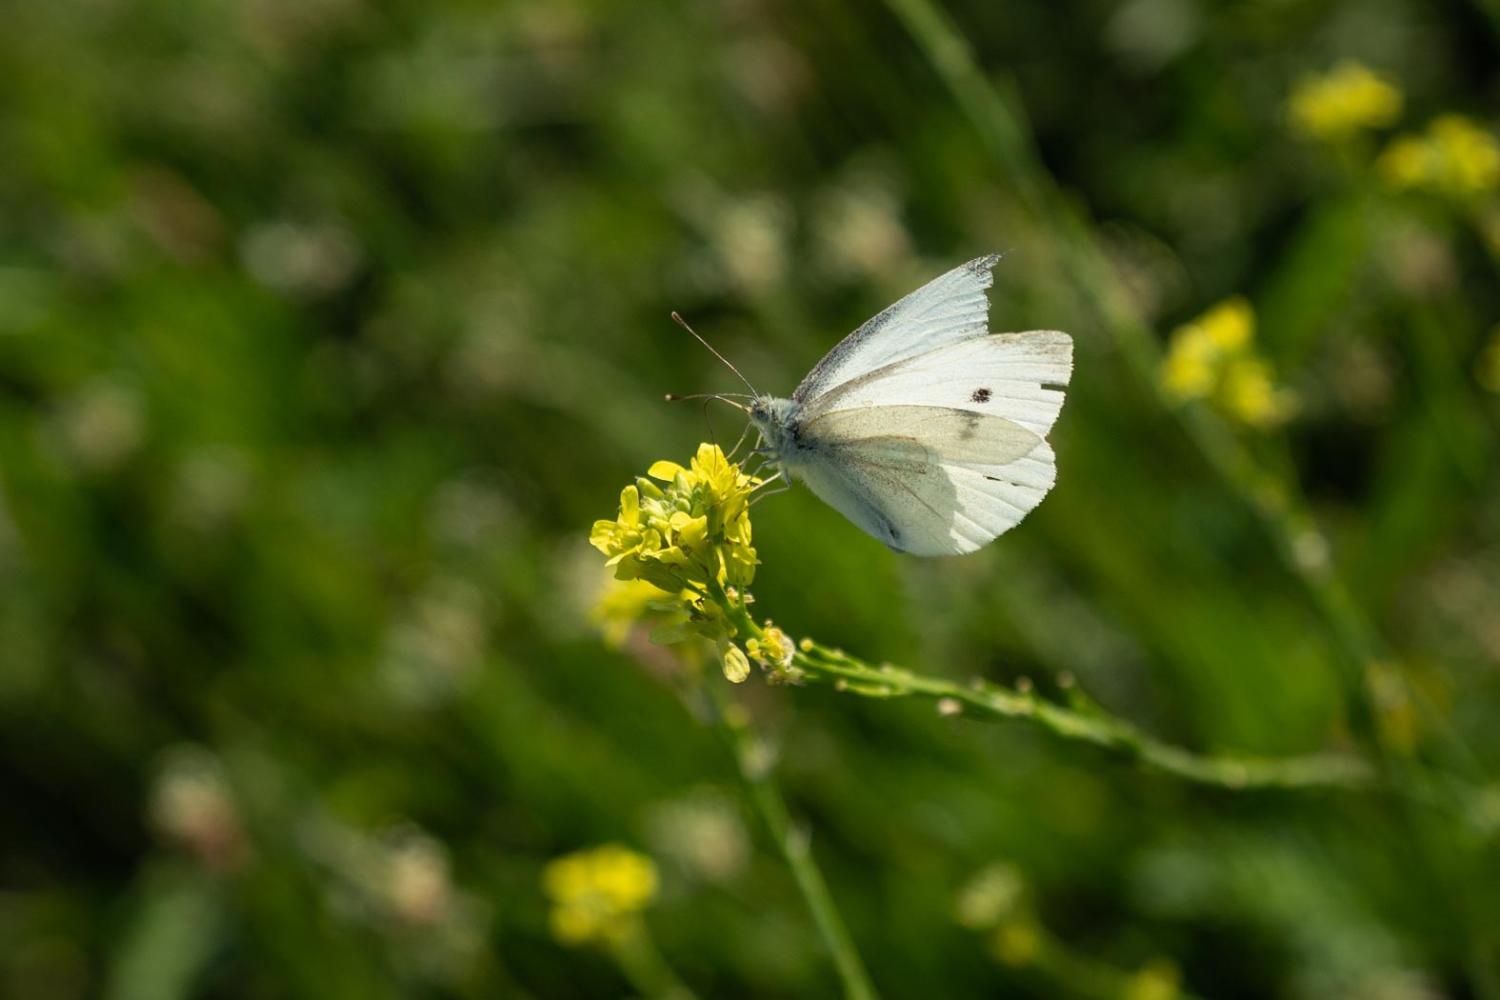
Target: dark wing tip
979	265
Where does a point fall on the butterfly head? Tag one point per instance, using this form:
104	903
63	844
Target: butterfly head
775	420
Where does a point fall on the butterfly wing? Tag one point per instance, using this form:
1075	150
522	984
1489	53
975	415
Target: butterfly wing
926	480
947	310
1018	376
939	453
928	431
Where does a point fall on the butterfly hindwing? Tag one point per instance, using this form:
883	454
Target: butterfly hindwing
926	480
910	434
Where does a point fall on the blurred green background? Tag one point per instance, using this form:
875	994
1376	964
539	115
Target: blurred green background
327	328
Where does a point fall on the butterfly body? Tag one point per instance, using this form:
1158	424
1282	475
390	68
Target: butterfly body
922	427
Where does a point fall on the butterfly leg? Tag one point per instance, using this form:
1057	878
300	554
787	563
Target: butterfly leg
761	492
740	443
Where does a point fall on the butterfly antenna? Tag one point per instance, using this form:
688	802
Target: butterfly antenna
723	397
677	318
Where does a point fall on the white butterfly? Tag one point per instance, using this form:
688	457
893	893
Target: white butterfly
922	427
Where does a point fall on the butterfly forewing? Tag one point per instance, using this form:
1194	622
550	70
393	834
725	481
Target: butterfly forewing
946	310
1018	376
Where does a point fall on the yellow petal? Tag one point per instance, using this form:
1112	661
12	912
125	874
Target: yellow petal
692	531
709	462
603	536
630	506
665	471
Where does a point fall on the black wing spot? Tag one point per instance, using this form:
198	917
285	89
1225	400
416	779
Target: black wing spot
980	396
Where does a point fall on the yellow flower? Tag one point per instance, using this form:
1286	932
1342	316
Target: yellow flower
690	540
1248	395
597	894
1454	157
1343	101
1214	358
694	530
774	649
1488	368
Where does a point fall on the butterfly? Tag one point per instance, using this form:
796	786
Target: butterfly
922	427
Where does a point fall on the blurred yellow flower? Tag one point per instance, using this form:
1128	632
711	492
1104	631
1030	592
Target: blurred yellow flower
1454	157
1343	101
1250	396
1213	358
1488	368
626	603
598	893
1193	359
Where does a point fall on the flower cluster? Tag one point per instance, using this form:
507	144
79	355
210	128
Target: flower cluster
1455	157
1214	358
691	534
682	557
597	894
1342	102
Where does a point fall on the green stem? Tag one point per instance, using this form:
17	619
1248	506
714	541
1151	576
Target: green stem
818	662
949	53
645	968
751	758
1094	727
